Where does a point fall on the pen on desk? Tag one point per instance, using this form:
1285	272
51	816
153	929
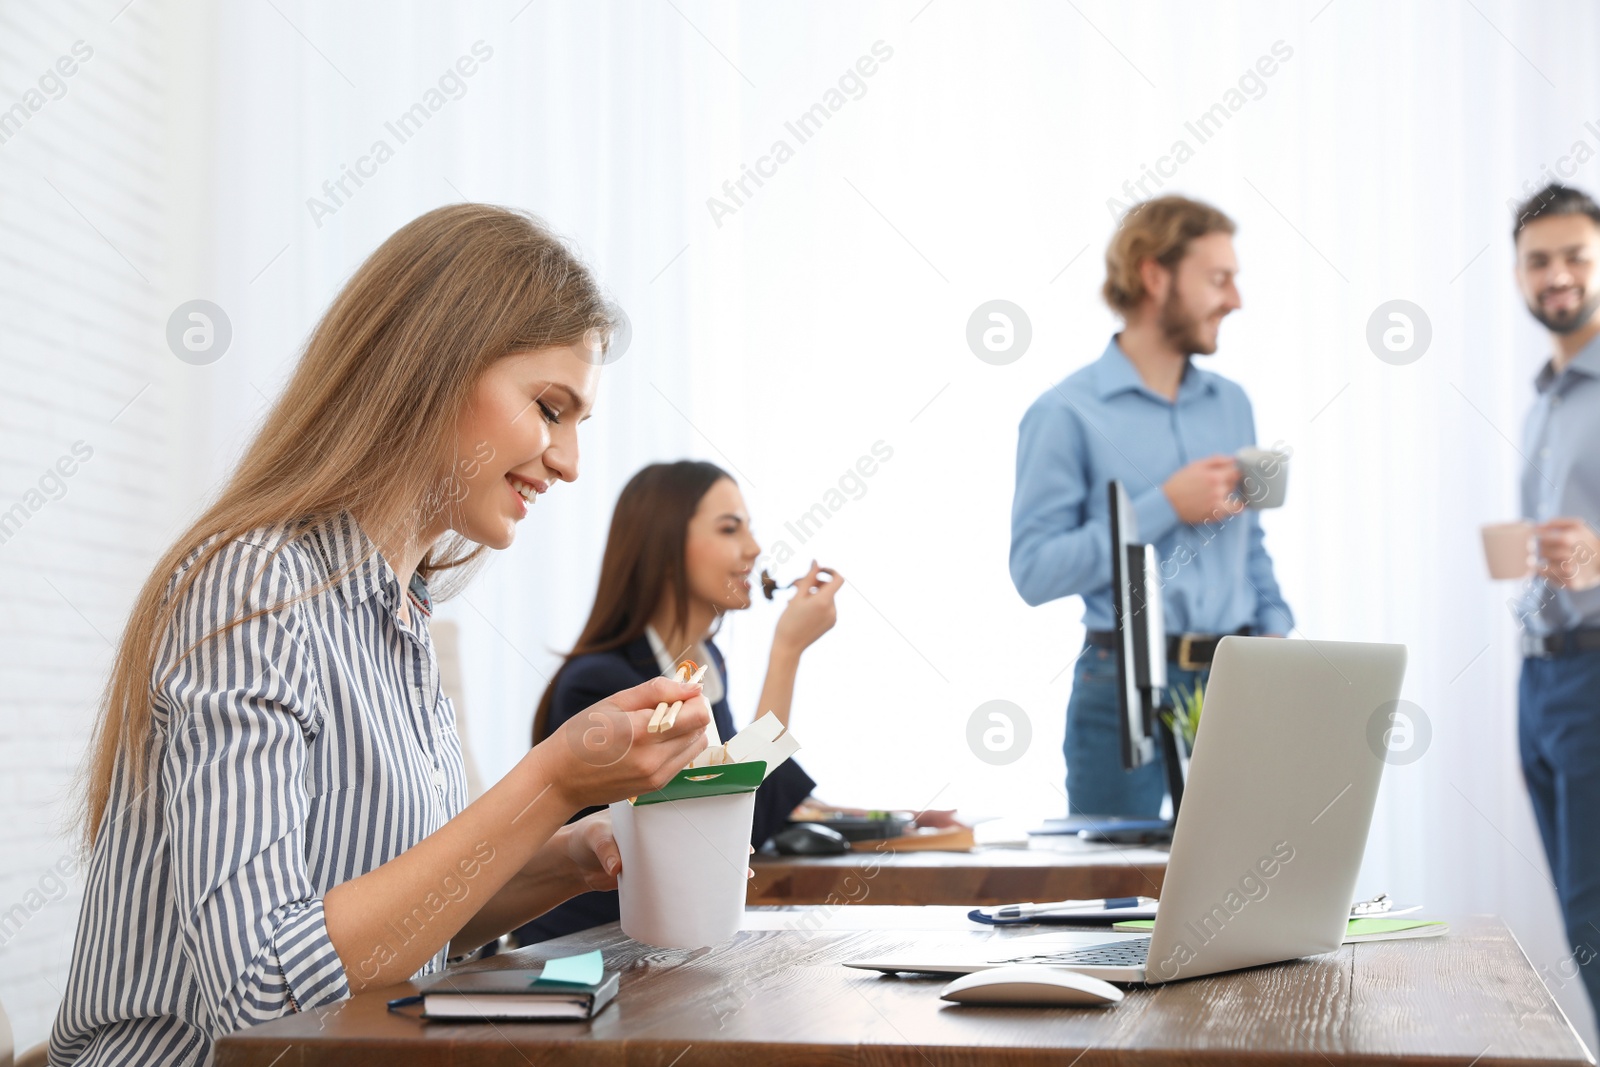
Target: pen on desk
1023	911
405	1002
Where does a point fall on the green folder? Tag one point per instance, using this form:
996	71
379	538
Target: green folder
1378	929
721	780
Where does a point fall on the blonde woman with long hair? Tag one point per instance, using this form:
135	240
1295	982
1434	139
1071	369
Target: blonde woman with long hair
275	798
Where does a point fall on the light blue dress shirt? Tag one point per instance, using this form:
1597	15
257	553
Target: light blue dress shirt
1101	423
1561	442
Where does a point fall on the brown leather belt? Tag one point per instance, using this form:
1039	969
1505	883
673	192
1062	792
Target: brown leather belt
1191	652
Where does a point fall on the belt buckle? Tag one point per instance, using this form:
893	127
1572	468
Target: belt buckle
1185	653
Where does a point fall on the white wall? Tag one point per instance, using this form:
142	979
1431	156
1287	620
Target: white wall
827	313
91	256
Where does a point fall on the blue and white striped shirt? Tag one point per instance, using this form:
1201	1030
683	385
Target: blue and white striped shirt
304	747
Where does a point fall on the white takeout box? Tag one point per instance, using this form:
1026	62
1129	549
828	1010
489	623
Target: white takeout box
684	861
683	868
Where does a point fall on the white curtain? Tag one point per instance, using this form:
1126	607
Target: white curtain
796	307
1374	162
589	116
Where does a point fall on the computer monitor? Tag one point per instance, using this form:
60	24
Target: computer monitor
1141	647
1141	640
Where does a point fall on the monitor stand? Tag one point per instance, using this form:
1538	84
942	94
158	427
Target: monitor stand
1159	834
1106	825
1114	830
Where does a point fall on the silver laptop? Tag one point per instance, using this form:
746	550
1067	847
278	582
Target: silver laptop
1271	832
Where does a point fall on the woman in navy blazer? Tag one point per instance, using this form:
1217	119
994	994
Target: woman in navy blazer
678	557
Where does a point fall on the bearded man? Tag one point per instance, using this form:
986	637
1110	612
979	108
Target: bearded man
1144	415
1556	235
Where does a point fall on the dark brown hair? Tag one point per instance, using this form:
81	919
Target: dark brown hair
1158	229
1554	199
643	562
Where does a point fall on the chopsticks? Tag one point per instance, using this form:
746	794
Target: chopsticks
663	718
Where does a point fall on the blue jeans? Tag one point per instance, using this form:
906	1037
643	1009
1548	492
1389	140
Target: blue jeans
1096	782
1558	734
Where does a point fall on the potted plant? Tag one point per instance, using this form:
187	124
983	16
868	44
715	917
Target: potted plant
1183	719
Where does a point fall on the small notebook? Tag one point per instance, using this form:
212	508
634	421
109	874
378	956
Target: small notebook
572	988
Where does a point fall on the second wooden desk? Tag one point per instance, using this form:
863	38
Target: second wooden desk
1050	868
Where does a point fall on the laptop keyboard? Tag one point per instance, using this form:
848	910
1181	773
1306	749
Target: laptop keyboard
1130	953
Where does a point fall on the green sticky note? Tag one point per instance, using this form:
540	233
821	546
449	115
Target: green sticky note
585	969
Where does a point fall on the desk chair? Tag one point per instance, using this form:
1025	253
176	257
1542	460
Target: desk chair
447	646
33	1057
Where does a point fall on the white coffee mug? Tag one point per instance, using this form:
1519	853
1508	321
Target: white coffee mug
1263	476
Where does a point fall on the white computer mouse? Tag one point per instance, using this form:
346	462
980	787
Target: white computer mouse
1031	985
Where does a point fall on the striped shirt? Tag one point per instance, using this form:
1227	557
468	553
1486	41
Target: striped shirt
302	748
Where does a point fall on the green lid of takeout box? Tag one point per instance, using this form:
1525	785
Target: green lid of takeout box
721	780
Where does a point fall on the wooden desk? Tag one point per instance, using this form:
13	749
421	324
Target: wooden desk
1051	868
781	997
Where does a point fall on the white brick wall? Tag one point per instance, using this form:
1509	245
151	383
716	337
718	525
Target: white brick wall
83	260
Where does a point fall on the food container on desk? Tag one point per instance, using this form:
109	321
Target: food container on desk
685	850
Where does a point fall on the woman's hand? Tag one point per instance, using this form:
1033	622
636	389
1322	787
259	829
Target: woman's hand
605	753
593	851
810	613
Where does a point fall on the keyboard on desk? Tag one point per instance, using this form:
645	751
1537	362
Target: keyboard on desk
1129	953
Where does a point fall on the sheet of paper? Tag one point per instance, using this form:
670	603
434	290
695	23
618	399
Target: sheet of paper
585	969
